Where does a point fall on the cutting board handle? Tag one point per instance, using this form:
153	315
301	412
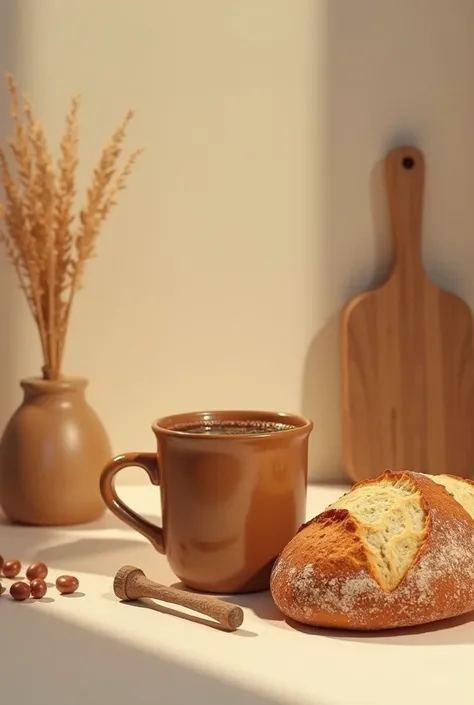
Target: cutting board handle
405	177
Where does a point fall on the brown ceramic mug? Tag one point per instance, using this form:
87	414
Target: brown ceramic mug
233	493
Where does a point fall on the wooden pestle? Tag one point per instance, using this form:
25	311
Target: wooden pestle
131	583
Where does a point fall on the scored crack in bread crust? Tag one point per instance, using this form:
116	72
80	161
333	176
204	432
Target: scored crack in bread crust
461	489
392	525
395	551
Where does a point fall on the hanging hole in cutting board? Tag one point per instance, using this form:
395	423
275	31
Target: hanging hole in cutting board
408	163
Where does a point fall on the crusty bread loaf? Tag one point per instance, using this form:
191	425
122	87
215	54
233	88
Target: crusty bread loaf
396	551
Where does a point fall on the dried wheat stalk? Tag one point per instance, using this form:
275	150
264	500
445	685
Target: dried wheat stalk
44	240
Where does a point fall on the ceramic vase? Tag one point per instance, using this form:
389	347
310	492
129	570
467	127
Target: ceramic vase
51	455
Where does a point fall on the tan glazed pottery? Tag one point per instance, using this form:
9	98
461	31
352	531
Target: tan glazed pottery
51	456
233	493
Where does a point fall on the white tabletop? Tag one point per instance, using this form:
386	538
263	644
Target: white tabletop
92	649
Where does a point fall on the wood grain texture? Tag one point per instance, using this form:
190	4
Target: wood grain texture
407	355
131	583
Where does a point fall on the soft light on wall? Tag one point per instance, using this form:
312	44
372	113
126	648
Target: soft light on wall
258	208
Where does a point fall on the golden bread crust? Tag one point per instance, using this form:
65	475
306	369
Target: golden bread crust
323	577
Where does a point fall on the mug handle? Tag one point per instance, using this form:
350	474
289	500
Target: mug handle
149	463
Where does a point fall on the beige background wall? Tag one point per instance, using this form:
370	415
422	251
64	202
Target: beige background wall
258	208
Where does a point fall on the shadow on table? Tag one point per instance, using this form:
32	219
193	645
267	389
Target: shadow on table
107	521
21	541
147	603
110	521
73	548
111	671
458	630
260	603
100	556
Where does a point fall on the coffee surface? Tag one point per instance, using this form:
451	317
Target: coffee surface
232	428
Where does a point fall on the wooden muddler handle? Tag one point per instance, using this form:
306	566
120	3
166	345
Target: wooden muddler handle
131	583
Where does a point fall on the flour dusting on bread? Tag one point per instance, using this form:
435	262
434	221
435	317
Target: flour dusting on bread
343	594
395	551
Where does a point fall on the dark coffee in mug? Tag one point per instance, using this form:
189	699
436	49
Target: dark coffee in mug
233	428
233	494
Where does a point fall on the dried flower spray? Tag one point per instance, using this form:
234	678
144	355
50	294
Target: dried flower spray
45	241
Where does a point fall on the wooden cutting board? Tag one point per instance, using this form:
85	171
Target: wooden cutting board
407	355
